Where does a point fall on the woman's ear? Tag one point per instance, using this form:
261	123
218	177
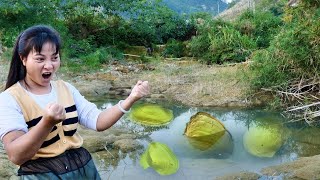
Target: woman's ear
23	60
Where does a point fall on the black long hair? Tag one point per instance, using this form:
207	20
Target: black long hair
31	39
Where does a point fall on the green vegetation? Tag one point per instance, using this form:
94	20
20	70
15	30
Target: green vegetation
93	25
174	48
226	44
289	67
293	53
90	26
219	41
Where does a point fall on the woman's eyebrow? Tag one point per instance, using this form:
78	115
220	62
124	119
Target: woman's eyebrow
53	54
39	54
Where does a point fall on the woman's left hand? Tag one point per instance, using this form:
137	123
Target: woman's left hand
108	117
140	90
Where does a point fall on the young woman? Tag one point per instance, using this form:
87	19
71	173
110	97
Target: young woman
39	116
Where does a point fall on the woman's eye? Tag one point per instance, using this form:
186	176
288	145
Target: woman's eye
55	58
39	59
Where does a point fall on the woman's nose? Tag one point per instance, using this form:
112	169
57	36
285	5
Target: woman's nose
48	65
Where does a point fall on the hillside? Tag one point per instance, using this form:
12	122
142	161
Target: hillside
213	7
236	10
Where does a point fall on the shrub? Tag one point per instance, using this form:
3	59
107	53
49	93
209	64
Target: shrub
294	53
174	48
219	42
261	26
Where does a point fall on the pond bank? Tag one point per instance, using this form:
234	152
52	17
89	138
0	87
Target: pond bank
182	82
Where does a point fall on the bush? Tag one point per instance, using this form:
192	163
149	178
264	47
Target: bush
77	48
174	48
293	54
16	16
93	60
261	26
229	45
199	45
267	70
219	42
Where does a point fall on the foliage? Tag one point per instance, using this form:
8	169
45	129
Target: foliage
89	24
77	48
174	49
152	22
93	60
274	6
82	20
228	44
16	15
218	42
261	26
268	71
137	23
294	53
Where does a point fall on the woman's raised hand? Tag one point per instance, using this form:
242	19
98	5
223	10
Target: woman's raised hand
140	90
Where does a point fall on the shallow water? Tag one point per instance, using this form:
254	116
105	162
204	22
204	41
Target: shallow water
208	164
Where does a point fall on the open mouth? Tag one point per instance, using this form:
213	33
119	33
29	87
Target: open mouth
46	75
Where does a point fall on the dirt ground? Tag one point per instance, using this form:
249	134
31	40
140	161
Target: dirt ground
184	82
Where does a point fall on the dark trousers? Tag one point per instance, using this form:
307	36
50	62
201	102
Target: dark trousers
72	164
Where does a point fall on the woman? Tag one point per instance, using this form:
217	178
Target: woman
39	116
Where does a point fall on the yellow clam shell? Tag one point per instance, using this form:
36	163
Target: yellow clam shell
151	115
160	157
263	141
204	130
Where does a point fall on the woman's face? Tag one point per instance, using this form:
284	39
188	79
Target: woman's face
41	66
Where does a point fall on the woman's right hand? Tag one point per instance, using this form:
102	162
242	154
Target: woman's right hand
54	113
22	146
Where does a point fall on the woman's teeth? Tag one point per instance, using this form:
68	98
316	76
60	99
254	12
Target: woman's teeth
46	75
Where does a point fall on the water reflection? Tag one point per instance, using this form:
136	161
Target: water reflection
199	164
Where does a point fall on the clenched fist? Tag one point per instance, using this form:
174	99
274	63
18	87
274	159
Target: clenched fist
140	90
54	113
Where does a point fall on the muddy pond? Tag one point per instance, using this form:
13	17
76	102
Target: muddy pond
254	139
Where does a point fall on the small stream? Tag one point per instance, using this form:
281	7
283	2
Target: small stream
300	140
